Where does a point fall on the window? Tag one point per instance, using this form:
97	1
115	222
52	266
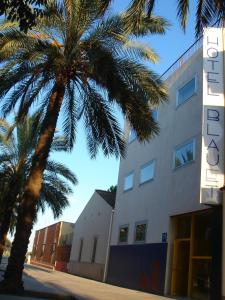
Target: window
81	248
128	182
132	136
155	114
184	154
140	231
123	234
186	91
147	172
94	250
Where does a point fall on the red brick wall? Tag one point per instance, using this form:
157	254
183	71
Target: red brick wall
38	244
63	253
46	254
51	242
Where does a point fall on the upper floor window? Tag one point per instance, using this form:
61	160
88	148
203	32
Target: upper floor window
123	234
132	136
155	114
128	182
147	172
184	154
185	92
140	231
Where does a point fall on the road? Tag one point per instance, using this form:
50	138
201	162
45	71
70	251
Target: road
41	279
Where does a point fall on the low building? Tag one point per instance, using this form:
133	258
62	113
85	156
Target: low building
52	246
91	241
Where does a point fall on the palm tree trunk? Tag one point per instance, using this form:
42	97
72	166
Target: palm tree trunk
13	275
4	228
9	201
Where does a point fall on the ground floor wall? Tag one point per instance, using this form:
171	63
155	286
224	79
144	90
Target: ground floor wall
189	265
88	270
57	259
140	267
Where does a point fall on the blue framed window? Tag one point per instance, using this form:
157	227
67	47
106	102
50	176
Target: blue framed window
132	136
147	172
155	114
184	154
128	181
186	91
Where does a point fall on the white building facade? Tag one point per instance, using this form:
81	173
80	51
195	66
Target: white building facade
166	235
91	236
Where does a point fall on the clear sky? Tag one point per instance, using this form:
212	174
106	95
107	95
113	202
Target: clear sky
102	172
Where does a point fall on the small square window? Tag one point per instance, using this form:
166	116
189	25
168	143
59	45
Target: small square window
185	92
132	136
123	234
155	114
184	154
147	172
140	232
129	181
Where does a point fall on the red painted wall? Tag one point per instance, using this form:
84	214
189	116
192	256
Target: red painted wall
46	251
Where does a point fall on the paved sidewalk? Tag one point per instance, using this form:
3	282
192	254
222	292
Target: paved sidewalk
48	282
45	280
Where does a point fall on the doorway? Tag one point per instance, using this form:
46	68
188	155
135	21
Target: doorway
192	255
180	269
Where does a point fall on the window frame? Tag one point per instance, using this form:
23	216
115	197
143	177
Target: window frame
128	174
129	134
153	161
157	114
178	147
121	227
183	85
144	222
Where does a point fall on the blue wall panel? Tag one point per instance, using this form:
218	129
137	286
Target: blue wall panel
140	267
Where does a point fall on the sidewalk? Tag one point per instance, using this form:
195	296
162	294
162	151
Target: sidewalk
63	285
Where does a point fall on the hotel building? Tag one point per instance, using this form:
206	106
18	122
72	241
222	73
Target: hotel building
167	227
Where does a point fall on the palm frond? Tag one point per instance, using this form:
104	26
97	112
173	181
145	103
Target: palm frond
70	116
59	169
101	125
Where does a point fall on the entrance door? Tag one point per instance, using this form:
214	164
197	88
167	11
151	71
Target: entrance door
180	269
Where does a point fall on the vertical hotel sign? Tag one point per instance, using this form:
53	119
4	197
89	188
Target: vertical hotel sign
212	168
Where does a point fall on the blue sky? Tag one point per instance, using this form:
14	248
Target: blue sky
102	172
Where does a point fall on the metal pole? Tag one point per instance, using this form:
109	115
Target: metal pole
108	248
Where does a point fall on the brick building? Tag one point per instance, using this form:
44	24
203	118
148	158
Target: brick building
52	246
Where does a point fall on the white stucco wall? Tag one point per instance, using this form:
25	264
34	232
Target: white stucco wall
93	222
172	191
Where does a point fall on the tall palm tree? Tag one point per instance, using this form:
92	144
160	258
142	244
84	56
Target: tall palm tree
24	11
207	12
15	160
81	61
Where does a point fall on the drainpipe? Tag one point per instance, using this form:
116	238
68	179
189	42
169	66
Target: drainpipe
108	247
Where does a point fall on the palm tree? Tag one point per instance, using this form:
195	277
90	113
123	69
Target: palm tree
25	12
207	12
15	160
82	62
112	189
